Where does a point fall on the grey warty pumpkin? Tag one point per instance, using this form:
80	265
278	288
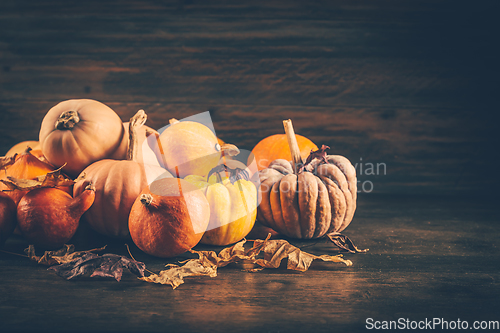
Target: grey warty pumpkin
307	200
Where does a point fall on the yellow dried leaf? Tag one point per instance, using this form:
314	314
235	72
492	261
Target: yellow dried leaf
175	275
274	251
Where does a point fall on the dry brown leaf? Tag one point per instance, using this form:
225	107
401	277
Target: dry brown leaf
274	251
52	179
175	275
277	250
344	243
65	254
5	161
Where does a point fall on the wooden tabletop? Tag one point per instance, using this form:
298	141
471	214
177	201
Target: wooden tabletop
407	86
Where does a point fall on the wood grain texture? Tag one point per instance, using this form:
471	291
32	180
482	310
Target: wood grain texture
408	85
429	257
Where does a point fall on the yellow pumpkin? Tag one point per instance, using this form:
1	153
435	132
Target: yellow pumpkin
233	207
190	148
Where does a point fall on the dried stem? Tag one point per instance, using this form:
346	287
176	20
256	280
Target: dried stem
294	146
67	120
135	123
131	256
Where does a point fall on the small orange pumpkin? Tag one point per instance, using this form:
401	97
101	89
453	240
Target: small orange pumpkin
276	147
49	217
8	217
169	217
21	147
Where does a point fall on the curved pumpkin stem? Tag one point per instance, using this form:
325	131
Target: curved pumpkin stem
294	146
135	122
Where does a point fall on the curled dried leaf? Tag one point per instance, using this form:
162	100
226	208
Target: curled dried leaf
63	255
106	265
274	251
344	243
52	179
174	275
6	161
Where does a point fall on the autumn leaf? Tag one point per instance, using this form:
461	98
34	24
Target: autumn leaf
106	265
52	179
5	161
344	243
65	254
273	253
174	275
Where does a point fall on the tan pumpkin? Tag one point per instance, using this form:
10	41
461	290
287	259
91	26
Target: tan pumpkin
117	185
78	132
307	202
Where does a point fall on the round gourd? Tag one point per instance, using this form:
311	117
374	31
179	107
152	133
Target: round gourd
8	219
233	204
169	217
276	147
307	200
78	132
188	148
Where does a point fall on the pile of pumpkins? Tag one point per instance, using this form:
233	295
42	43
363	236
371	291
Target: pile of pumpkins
167	191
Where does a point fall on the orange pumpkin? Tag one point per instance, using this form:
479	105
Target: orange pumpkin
49	217
169	217
21	147
78	132
7	217
117	184
276	147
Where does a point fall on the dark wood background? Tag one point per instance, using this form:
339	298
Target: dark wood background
411	84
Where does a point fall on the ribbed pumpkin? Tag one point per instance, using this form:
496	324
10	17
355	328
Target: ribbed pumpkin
233	204
189	148
276	147
78	132
307	202
117	185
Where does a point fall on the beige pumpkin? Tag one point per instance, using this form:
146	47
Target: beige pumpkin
117	184
78	132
